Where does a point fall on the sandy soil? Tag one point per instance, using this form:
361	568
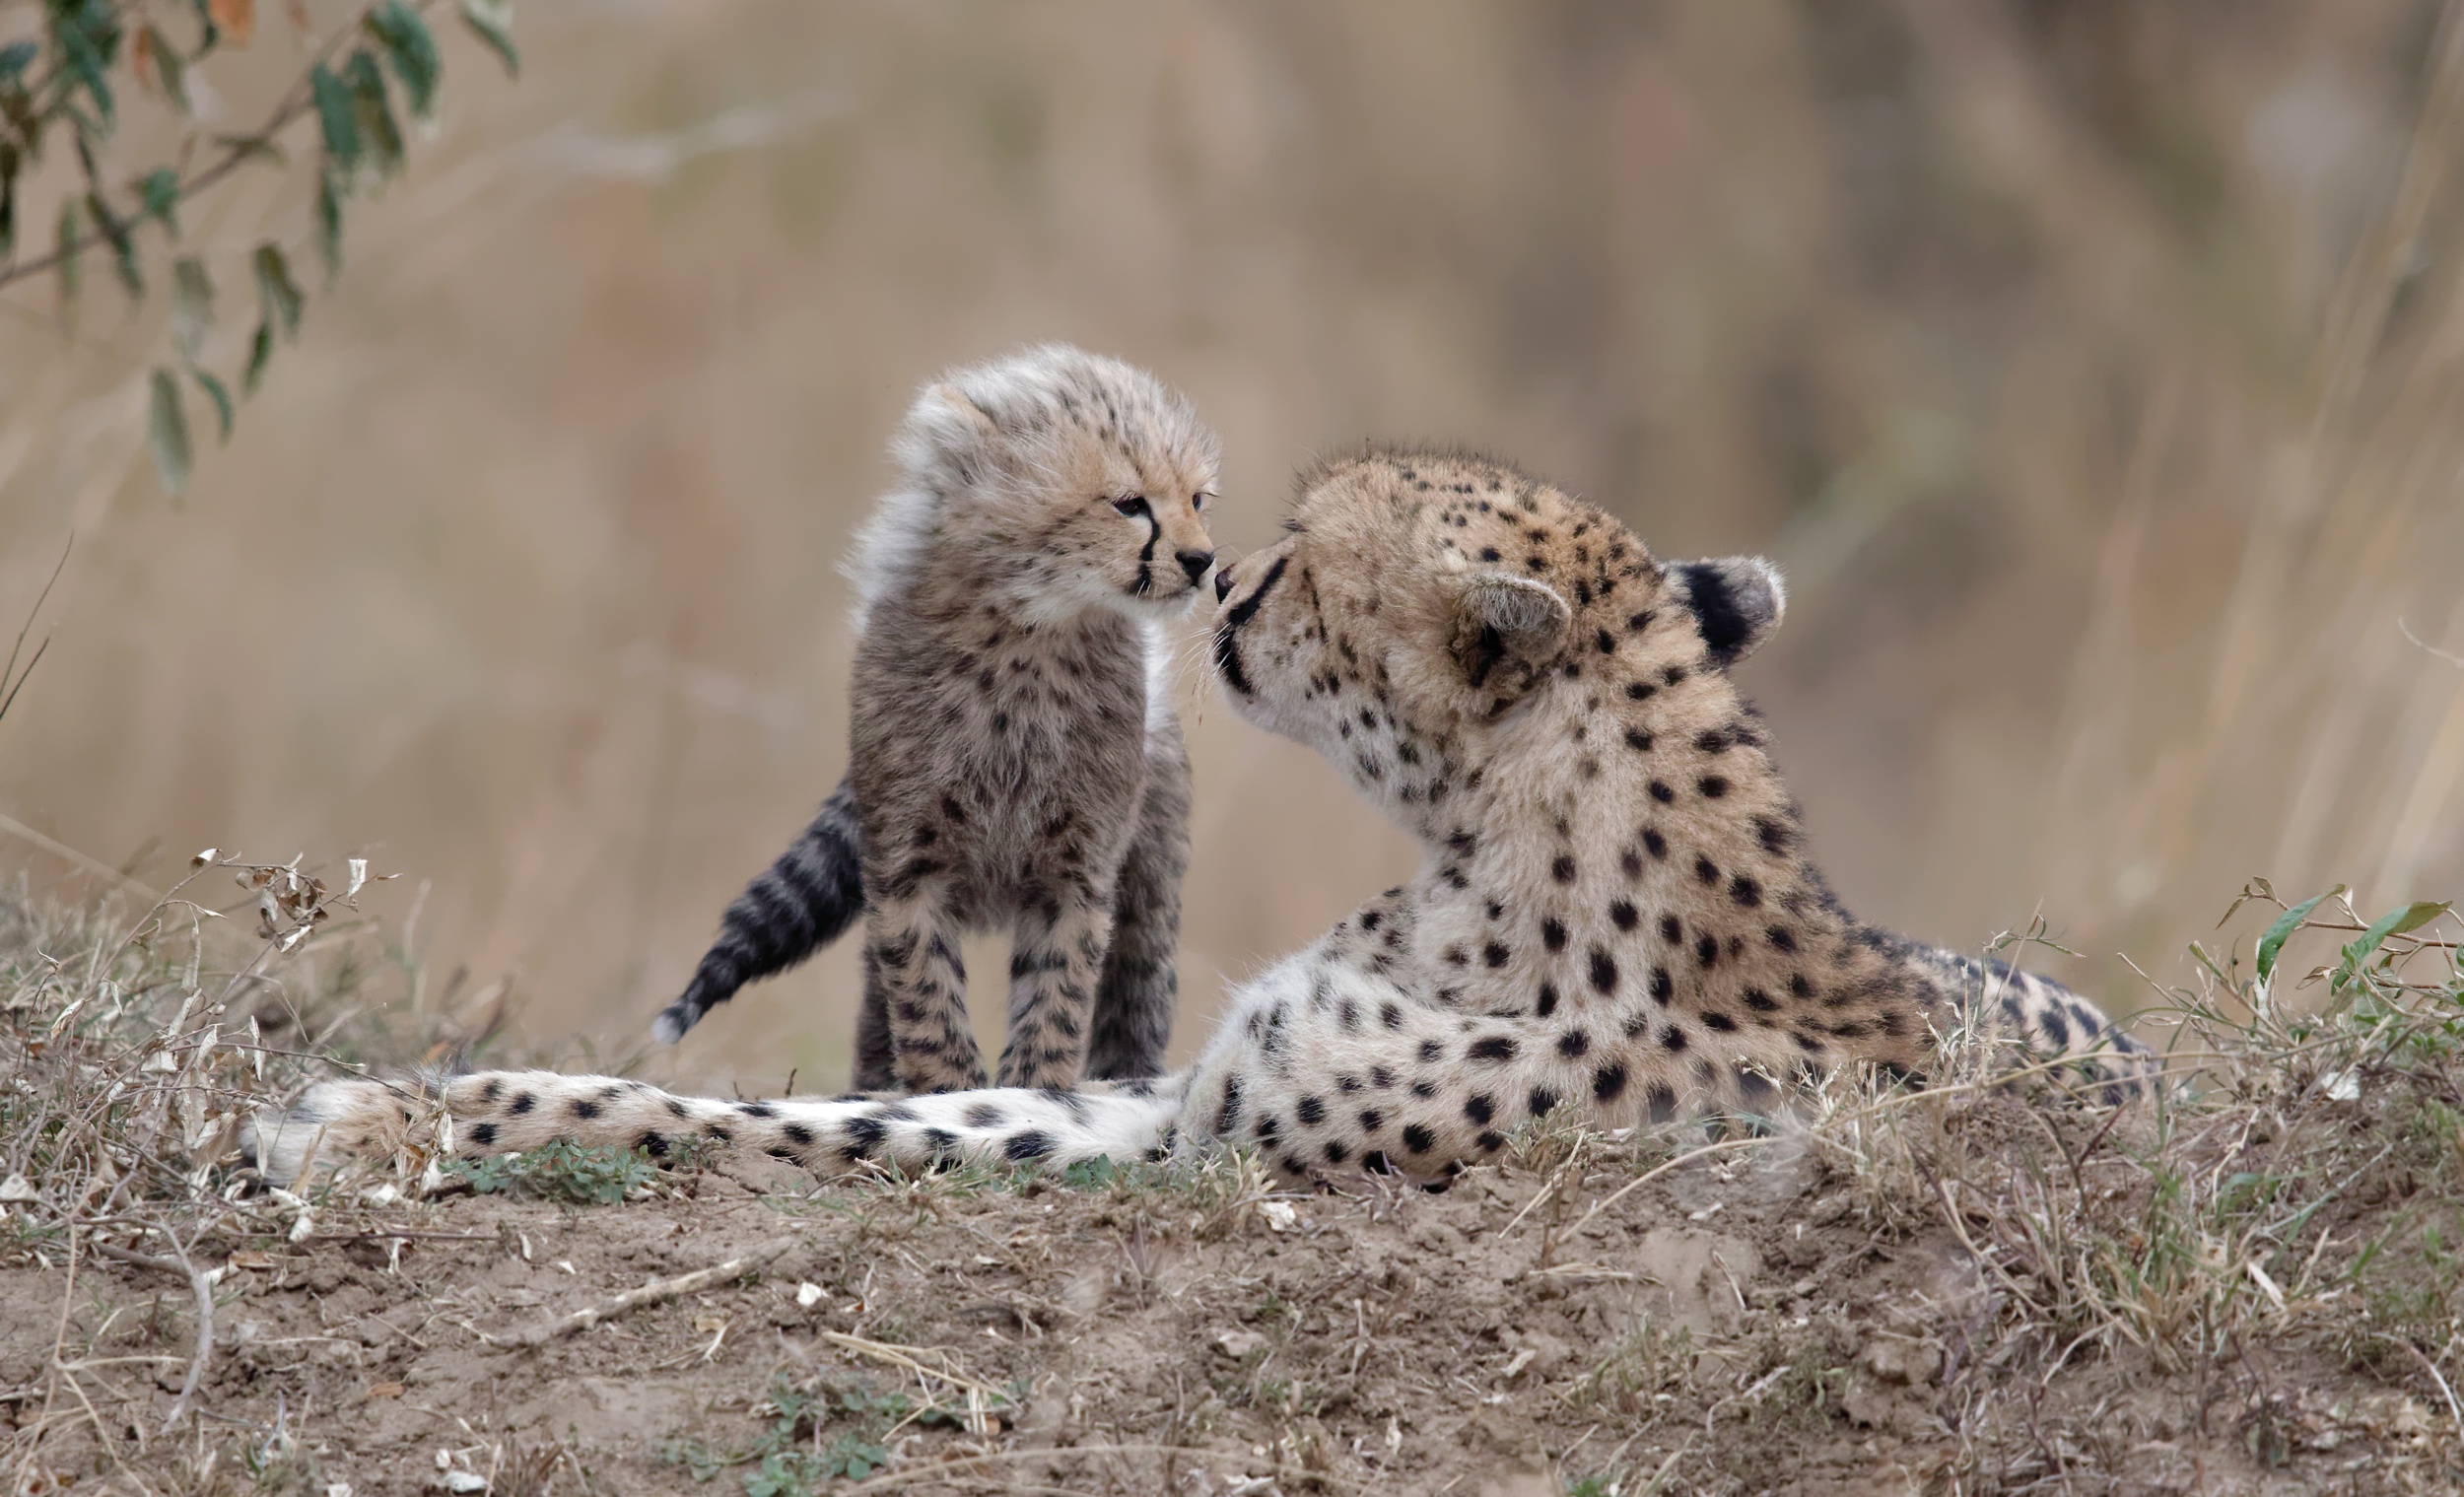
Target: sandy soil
1741	1324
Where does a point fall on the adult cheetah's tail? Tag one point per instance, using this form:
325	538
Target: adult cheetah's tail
505	1112
2048	1022
798	905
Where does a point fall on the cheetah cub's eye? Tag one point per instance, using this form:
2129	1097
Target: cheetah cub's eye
1133	506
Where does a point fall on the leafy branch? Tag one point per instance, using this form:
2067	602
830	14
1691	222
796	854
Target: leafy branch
66	83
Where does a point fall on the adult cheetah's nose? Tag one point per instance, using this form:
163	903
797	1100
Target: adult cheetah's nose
1195	563
1223	585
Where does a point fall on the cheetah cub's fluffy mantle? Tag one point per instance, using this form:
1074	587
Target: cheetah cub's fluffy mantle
1015	761
1615	913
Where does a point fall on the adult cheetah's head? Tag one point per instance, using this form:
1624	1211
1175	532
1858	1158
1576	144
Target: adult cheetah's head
1419	601
1068	480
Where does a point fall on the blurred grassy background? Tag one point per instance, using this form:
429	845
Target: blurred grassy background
2093	367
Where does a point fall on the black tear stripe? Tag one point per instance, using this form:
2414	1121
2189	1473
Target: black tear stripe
1147	557
1227	654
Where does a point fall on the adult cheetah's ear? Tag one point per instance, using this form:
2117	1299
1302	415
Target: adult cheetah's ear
1508	631
1738	600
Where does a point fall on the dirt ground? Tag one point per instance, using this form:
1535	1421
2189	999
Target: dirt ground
1750	1320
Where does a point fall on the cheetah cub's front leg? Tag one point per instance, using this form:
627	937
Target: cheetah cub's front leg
911	947
1055	958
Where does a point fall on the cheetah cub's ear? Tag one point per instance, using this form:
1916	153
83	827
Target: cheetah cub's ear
1507	633
1738	600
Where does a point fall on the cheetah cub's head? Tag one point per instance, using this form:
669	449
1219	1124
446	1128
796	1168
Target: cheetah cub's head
1423	605
1055	480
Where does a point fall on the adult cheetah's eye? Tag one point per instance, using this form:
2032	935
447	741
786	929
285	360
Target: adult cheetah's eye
1135	506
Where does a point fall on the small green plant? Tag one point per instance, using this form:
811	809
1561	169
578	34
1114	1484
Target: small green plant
563	1170
791	1459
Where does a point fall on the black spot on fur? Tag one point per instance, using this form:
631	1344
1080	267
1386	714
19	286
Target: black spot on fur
1553	934
1608	1083
1562	870
1495	1047
1662	985
583	1109
1662	793
1745	891
1479	1110
798	1133
1603	970
1542	1100
1418	1139
1034	1144
1624	914
1311	1111
522	1102
1548	1002
483	1135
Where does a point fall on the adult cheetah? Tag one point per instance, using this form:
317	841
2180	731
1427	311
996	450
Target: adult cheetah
1614	912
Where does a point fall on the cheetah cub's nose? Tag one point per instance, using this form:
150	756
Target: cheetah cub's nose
1195	562
1223	585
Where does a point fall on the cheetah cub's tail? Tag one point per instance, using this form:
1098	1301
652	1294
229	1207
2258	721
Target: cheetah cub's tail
506	1112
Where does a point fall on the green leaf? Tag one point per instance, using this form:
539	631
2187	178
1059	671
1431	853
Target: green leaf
85	63
157	197
173	67
192	304
260	353
123	244
378	134
166	430
220	397
2281	929
412	50
15	59
71	232
330	221
493	21
2396	922
336	116
277	289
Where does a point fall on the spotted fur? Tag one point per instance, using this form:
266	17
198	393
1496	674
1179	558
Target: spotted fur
1014	762
1614	915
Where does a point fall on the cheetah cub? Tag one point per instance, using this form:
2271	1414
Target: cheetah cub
1615	915
1014	760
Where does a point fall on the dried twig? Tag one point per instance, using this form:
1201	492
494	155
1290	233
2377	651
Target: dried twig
200	1284
652	1293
